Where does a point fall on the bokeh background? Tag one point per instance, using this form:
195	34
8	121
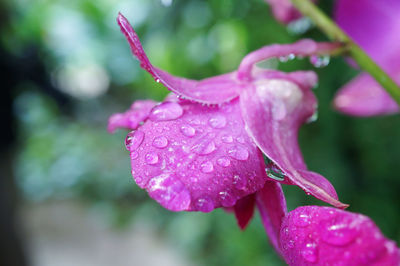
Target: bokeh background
66	193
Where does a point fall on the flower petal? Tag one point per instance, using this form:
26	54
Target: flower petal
244	210
328	236
213	90
271	204
305	47
131	119
193	157
363	96
273	110
379	37
283	10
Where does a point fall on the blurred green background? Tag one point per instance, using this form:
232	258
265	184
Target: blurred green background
70	68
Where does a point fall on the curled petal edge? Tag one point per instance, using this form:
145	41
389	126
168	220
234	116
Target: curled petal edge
215	90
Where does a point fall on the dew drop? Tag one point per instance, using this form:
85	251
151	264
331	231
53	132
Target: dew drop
320	60
204	147
133	140
239	153
188	131
227	139
218	121
240	139
204	204
166	111
313	118
310	252
274	172
224	161
239	182
160	142
302	220
134	155
169	191
151	158
338	234
207	167
226	198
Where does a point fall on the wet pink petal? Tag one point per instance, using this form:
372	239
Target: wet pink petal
363	96
244	210
379	37
271	204
305	47
132	118
213	90
314	235
194	157
273	110
284	11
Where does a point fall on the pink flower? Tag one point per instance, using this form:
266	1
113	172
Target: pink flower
375	26
315	235
202	147
284	11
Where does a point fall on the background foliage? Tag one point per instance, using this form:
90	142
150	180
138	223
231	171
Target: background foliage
65	152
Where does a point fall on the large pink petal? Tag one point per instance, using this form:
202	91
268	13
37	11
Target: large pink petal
314	235
132	118
363	96
379	37
213	90
194	157
271	204
273	110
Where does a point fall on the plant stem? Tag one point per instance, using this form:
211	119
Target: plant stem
332	30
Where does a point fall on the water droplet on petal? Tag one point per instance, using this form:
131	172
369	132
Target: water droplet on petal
302	220
239	182
310	252
134	155
133	140
338	234
226	198
188	131
227	139
169	191
204	204
166	111
151	158
274	172
320	60
313	118
160	142
240	139
239	153
218	121
204	147
224	161
207	167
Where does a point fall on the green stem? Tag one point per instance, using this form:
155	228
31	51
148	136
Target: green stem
332	30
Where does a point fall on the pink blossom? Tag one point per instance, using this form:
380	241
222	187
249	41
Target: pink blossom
203	146
284	11
315	235
375	26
